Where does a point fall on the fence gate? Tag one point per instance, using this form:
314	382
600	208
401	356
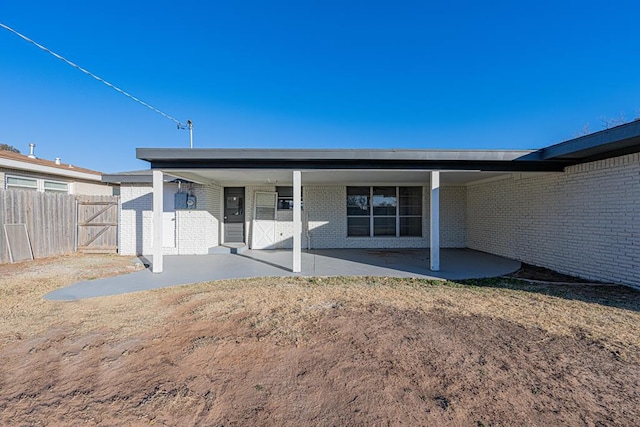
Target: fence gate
98	224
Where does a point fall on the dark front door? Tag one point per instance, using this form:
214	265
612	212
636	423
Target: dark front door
234	214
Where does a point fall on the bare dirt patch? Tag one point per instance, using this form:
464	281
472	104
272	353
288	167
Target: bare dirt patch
533	272
289	351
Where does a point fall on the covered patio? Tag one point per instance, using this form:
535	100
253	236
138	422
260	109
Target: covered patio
380	178
564	207
455	264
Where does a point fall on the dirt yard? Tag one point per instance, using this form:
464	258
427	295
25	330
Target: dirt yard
316	352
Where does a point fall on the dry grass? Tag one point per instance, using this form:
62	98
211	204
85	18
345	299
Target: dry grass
281	307
25	313
327	351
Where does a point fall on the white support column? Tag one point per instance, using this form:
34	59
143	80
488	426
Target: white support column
435	221
297	222
158	190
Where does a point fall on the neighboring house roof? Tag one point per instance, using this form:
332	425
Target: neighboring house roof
11	160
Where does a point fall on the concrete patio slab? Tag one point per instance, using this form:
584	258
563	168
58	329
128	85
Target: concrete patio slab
455	264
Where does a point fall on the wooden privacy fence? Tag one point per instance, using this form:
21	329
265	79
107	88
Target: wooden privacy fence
98	224
52	221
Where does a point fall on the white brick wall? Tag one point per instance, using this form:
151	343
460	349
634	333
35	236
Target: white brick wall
147	236
325	208
584	221
327	212
196	230
453	216
134	201
214	207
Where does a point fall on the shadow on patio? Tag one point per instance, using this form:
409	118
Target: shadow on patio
455	264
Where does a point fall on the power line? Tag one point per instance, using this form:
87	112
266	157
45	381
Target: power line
117	89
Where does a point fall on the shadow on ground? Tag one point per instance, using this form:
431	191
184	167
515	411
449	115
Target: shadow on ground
608	295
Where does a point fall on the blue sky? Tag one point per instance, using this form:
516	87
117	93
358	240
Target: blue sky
314	74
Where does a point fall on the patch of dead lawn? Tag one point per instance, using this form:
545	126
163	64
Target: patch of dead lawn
272	351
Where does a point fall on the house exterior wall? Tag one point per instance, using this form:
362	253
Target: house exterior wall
76	186
91	189
196	230
325	218
284	219
584	221
135	200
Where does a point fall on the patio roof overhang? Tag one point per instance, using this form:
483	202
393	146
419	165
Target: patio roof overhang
235	177
619	140
332	166
408	160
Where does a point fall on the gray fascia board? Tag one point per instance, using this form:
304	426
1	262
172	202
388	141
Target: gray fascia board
599	143
203	154
133	179
277	164
493	160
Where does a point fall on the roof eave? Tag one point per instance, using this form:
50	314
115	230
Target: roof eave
616	141
50	170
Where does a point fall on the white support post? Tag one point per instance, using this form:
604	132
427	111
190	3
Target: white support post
158	190
297	222
435	221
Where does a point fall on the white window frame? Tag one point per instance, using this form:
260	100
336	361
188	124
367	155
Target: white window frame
397	215
26	187
40	184
53	190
